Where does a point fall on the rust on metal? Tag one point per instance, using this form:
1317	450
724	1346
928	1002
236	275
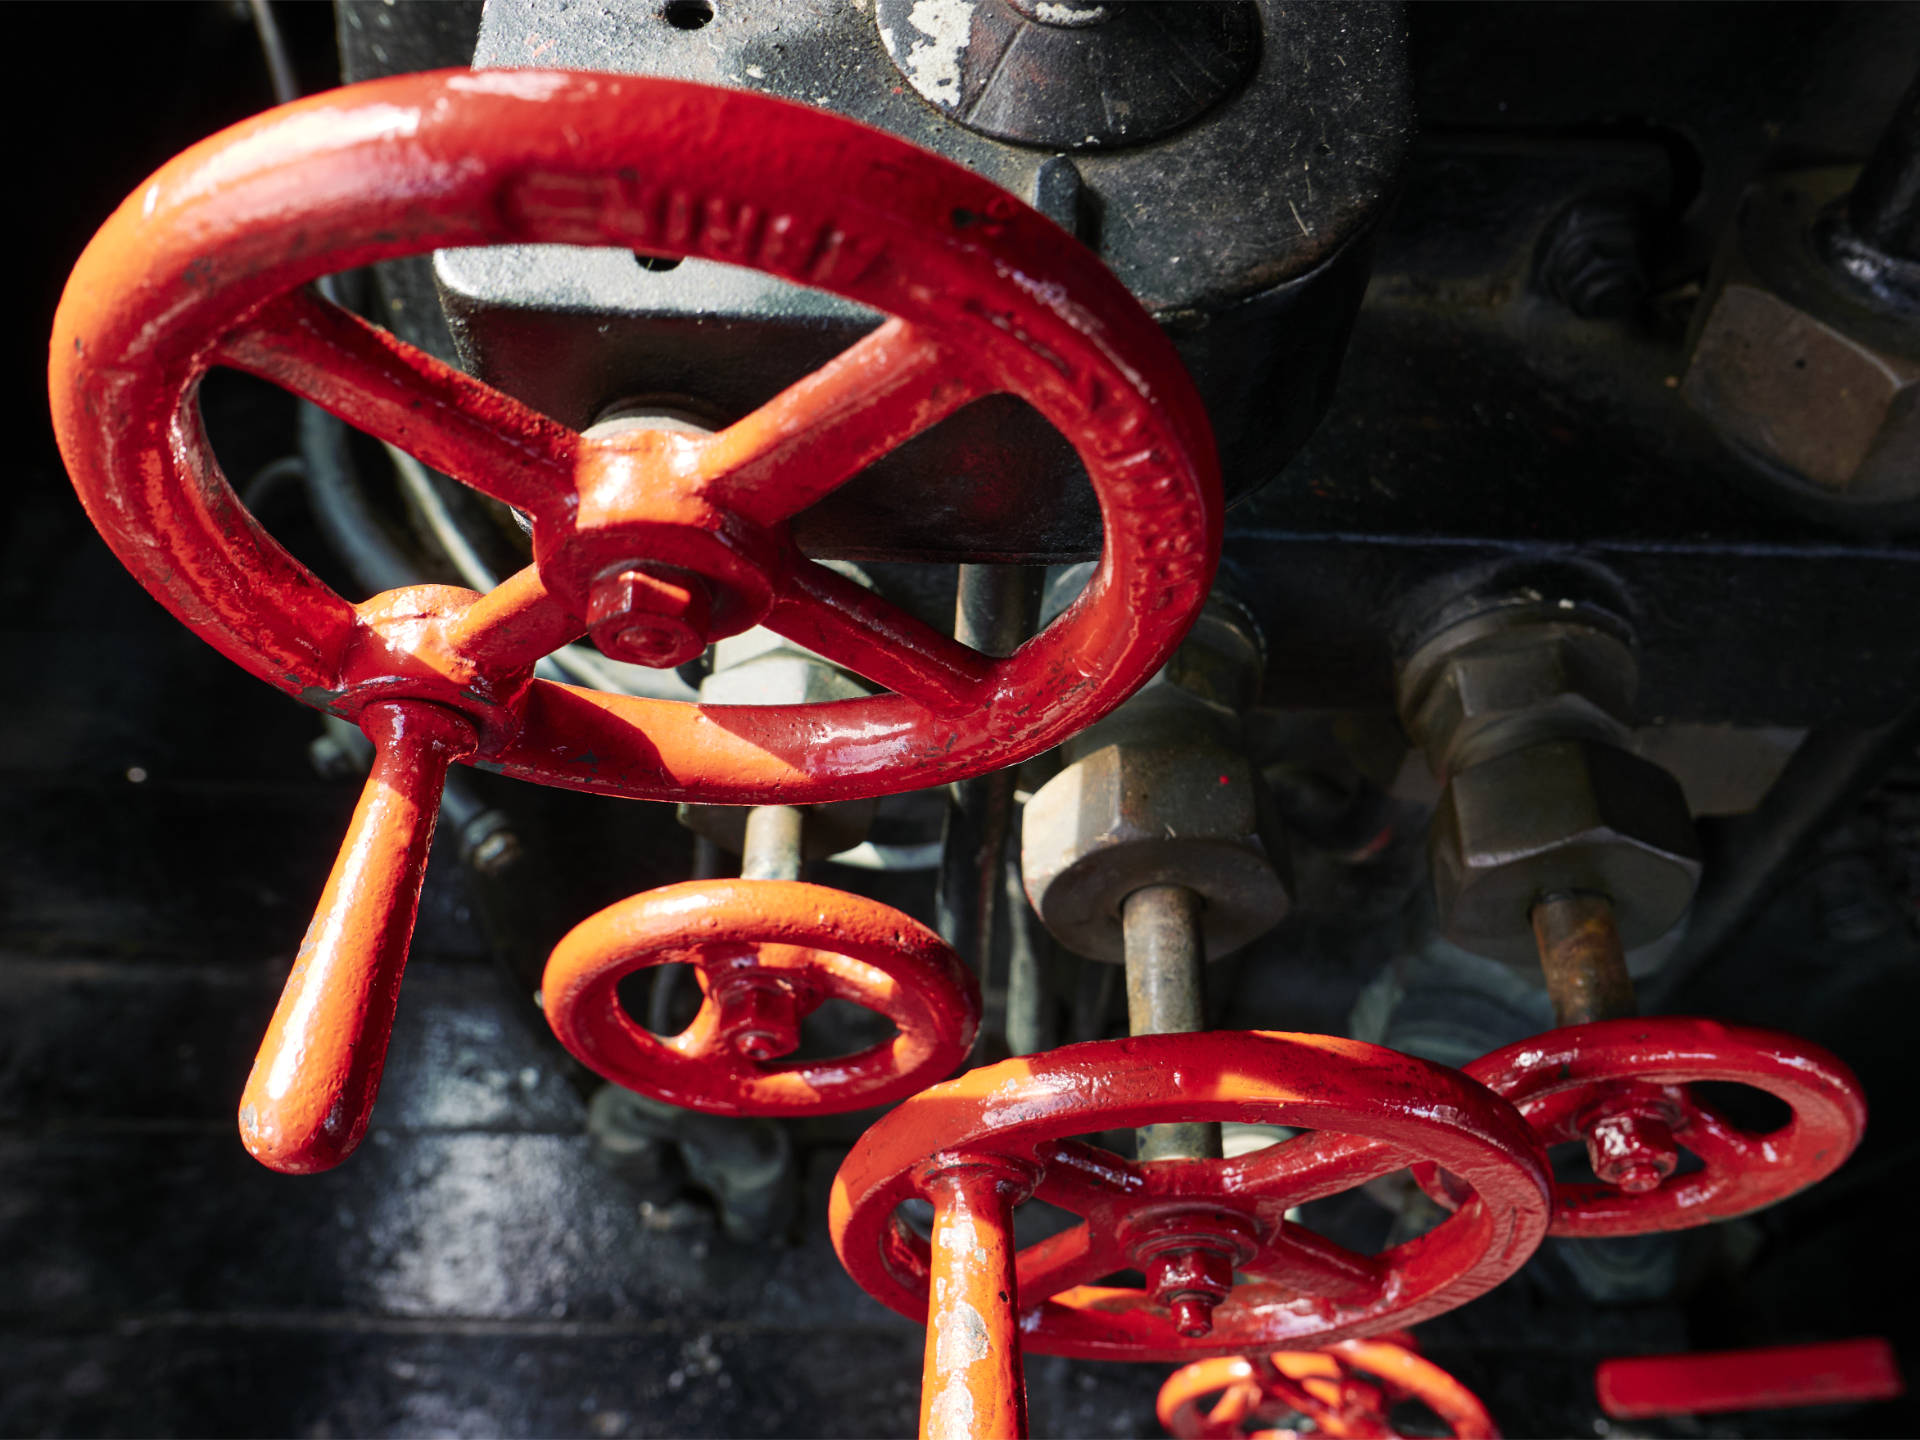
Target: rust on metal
1582	958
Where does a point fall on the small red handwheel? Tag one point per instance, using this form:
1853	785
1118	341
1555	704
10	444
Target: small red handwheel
1625	1089
767	953
1345	1391
1226	1271
652	542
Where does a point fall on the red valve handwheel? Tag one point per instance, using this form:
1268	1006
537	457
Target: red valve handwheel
1625	1088
655	542
1344	1391
767	953
977	1144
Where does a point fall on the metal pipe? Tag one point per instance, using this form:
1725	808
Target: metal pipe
1826	777
1884	208
1166	995
1581	955
995	610
771	850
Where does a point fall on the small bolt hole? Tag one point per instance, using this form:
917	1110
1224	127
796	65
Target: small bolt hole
656	263
687	14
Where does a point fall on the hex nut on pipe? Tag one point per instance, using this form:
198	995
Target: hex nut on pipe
1131	815
1569	816
1509	679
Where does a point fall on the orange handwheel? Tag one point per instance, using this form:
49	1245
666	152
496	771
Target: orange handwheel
1346	1391
767	954
650	542
1226	1271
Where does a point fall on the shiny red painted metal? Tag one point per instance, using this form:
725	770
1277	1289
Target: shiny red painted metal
312	1089
1565	1081
1373	1111
1773	1377
768	953
971	1384
205	265
1345	1391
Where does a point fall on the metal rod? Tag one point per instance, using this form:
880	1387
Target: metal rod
995	610
1031	1026
1580	952
972	1384
1884	208
1166	995
771	850
1827	776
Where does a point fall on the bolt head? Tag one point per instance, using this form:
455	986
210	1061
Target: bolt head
1632	1149
655	616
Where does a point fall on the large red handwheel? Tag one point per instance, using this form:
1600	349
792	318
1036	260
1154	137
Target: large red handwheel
1226	1271
653	542
768	953
1625	1088
1345	1391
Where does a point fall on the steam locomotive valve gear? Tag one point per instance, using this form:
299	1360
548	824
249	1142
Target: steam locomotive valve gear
1551	838
634	532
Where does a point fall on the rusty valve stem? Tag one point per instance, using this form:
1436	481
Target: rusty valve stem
1166	959
760	1017
1629	1141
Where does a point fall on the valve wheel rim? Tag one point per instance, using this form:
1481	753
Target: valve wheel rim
204	265
1250	1395
827	943
1371	1109
1555	1079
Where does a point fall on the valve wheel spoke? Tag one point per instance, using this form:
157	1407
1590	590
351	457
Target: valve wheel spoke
1309	1264
820	432
1319	1165
398	393
1721	1144
856	629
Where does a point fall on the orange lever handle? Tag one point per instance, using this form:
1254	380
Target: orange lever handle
313	1084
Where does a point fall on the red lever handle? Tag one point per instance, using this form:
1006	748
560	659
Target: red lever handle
313	1084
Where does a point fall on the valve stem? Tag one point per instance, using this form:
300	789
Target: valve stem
1629	1141
1166	995
771	850
1585	966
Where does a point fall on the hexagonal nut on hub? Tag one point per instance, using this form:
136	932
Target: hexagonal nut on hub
1128	816
1794	368
650	616
1509	679
1564	816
